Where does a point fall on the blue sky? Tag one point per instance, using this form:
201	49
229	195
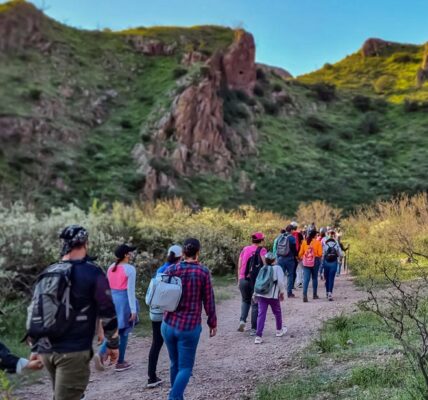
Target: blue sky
298	35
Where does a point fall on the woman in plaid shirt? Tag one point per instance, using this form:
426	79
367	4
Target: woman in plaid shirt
182	328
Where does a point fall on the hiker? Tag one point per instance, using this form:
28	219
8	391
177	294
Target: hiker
342	259
270	291
298	269
250	262
310	254
182	328
321	238
67	356
17	365
286	253
331	254
174	256
122	278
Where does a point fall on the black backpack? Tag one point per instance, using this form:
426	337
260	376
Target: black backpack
254	265
331	253
50	313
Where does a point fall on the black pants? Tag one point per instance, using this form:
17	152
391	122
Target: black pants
247	290
8	361
157	342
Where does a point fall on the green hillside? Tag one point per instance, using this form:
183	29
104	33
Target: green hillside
336	134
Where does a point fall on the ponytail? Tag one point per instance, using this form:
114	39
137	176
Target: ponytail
116	263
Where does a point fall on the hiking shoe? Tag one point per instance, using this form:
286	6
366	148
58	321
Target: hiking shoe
99	360
252	332
329	296
316	297
122	366
152	383
290	296
241	326
305	299
281	332
258	340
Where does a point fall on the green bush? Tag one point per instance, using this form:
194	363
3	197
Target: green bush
316	123
35	94
327	143
258	91
178	72
324	91
362	103
369	124
410	106
277	87
260	75
270	107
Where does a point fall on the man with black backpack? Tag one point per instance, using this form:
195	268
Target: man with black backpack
251	261
68	298
285	251
331	254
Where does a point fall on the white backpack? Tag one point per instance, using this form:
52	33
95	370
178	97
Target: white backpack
164	292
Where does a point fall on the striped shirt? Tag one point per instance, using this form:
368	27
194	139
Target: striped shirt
197	291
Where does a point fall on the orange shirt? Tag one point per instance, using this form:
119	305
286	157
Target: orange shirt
315	244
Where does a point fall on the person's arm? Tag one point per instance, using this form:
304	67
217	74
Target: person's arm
280	279
238	270
209	304
106	311
293	245
132	277
302	250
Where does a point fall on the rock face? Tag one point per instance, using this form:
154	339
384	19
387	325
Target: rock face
282	73
193	138
239	63
22	26
373	47
151	47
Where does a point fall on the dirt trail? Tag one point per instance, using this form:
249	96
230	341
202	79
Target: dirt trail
228	366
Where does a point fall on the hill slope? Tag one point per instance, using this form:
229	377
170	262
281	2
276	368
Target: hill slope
165	111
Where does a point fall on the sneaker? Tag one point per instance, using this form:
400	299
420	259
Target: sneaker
258	340
154	383
99	360
316	297
122	366
281	332
241	326
290	296
305	299
300	286
83	397
252	332
329	296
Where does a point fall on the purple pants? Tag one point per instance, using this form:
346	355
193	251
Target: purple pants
275	305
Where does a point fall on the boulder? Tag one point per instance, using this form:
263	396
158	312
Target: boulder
374	47
192	58
151	47
239	63
282	73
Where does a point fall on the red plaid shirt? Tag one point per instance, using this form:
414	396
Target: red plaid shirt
197	290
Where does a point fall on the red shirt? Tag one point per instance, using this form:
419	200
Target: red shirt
296	235
197	290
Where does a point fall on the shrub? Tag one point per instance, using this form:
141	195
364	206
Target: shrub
328	66
126	124
384	84
324	91
260	75
270	107
319	212
369	125
362	103
35	94
402	58
346	134
258	91
277	87
178	72
410	105
327	143
316	123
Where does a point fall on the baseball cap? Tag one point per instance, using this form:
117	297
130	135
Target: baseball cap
176	249
294	224
122	250
270	256
257	236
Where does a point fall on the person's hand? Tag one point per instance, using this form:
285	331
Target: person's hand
113	354
133	317
281	297
213	332
34	363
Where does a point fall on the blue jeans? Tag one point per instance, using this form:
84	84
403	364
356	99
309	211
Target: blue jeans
309	272
181	347
330	269
288	265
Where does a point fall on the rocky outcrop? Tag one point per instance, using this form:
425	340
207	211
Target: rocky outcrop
374	47
192	58
280	72
151	47
239	63
22	26
192	138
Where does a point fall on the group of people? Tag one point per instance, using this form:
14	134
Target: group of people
107	304
298	257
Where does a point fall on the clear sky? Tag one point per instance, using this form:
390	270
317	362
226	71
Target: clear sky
298	35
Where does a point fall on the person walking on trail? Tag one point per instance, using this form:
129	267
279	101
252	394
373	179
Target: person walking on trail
310	253
182	328
122	278
322	238
270	291
67	357
17	365
298	271
331	255
342	259
156	315
286	254
250	262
